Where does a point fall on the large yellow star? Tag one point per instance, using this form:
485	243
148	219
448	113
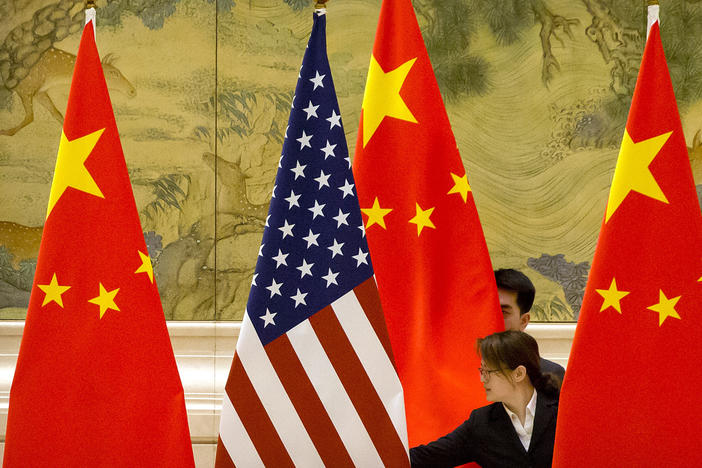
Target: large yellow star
632	173
421	219
145	266
53	291
382	97
460	185
106	300
70	167
612	296
665	308
376	214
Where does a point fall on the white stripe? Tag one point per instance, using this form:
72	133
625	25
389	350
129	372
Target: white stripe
235	438
333	396
375	360
274	398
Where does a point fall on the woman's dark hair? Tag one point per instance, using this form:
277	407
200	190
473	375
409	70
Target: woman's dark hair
511	349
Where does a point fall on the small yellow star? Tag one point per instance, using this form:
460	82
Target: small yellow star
53	291
382	97
632	173
70	168
376	214
145	266
460	185
612	296
665	308
106	300
421	219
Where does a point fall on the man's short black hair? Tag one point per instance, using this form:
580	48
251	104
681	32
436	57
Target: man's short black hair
514	280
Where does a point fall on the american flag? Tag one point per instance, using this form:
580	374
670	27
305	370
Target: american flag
313	381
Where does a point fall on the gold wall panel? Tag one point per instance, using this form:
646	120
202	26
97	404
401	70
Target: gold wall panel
537	92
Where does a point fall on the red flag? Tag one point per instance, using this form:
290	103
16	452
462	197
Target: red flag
431	263
631	393
96	382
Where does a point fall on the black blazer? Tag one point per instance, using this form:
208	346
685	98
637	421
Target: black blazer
489	438
552	368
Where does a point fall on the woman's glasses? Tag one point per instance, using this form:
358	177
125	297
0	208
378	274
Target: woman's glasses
485	373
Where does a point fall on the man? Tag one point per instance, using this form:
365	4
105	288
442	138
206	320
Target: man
516	293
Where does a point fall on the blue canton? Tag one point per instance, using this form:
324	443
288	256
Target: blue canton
314	248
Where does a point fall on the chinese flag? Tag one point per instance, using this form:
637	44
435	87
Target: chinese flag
96	382
631	395
432	266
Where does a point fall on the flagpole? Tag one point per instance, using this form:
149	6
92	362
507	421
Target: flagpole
90	13
653	11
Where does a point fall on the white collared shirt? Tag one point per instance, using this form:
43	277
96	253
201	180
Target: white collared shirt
524	432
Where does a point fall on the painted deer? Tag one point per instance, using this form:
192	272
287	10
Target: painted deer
695	154
55	69
21	241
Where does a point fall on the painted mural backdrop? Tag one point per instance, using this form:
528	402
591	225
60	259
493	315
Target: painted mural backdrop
537	92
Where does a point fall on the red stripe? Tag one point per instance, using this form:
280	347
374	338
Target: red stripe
367	295
254	417
307	403
222	459
359	388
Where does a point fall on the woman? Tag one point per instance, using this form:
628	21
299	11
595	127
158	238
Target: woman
517	430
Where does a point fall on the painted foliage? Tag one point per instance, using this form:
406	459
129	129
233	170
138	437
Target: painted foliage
537	92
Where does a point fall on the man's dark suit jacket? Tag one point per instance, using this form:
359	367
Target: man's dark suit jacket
489	438
552	367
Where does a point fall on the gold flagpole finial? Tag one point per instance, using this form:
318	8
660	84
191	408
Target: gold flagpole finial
319	4
652	2
89	4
